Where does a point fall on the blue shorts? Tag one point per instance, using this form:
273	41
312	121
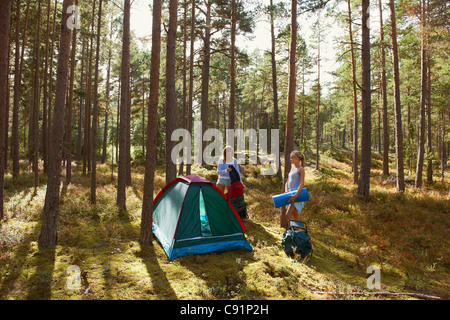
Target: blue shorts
224	182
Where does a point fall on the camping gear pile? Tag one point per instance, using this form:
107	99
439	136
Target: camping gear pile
192	216
236	193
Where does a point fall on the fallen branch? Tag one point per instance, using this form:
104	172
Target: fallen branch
411	294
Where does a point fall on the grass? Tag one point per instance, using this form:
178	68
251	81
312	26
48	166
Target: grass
404	234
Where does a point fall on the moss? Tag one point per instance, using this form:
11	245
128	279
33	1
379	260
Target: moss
405	234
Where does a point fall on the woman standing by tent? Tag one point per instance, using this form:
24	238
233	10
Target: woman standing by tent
223	168
295	182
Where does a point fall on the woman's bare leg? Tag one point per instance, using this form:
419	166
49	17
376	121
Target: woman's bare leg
291	213
221	187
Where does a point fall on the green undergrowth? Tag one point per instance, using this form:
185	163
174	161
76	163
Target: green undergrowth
404	234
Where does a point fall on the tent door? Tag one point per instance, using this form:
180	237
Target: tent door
205	228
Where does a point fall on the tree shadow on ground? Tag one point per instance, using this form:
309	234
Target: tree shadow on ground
222	271
41	280
158	277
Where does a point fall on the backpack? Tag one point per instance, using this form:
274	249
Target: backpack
240	205
297	240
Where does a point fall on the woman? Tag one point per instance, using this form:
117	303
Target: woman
295	182
223	169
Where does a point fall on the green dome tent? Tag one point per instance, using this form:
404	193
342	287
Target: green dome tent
192	216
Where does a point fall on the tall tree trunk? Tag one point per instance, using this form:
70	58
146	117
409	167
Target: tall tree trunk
36	101
16	104
143	117
45	93
443	145
128	133
274	80
421	151
398	110
5	14
119	90
384	98
50	87
48	233
366	147
108	89
171	101
124	97
68	145
191	80
145	236
233	66
428	112
355	100
205	76
95	111
78	155
302	134
318	97
87	108
289	139
185	111
8	96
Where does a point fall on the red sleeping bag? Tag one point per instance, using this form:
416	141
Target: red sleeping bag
236	190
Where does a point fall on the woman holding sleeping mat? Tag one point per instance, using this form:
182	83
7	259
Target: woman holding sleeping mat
295	182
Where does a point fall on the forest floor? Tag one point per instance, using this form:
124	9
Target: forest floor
404	234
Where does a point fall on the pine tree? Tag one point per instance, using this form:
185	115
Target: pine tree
171	101
398	111
48	233
95	111
5	13
124	103
366	134
145	236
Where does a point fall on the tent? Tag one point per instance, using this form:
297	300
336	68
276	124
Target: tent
192	216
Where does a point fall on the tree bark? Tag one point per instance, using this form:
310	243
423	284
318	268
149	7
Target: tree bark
428	114
45	93
233	66
145	236
205	75
68	144
108	91
48	233
124	97
289	139
16	103
50	87
95	112
384	98
355	101
171	101
421	149
87	107
191	80
274	80
366	147
398	111
5	14
318	97
185	111
78	155
36	101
